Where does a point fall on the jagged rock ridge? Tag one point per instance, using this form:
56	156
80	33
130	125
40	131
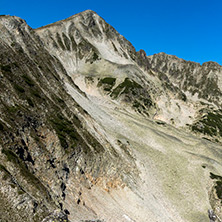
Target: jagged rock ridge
88	127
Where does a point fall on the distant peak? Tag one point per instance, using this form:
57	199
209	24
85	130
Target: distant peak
211	64
88	11
86	14
11	22
12	17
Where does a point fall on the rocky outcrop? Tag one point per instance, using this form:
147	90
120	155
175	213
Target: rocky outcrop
193	78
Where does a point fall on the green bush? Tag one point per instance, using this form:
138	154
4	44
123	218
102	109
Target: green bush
30	102
10	155
36	93
64	130
218	186
5	68
28	80
107	80
128	85
1	127
19	88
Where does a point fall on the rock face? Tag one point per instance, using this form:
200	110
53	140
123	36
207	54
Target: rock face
91	130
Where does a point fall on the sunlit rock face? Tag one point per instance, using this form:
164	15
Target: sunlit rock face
91	130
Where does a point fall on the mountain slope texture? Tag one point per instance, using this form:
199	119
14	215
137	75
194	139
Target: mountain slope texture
91	130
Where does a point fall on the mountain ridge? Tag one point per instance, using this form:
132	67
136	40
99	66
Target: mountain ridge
92	130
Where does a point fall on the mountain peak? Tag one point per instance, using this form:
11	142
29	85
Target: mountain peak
88	11
12	21
79	16
86	28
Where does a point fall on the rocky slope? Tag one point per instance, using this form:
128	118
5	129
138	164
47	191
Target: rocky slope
92	130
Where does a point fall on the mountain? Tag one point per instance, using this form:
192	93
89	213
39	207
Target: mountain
91	130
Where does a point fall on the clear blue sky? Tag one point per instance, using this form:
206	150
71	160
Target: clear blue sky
189	29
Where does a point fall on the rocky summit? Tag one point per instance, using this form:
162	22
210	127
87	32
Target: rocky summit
92	130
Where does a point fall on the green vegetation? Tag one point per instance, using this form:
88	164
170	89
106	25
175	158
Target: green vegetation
64	130
214	176
12	109
19	88
28	80
218	185
74	45
22	168
2	168
107	80
1	127
159	122
147	101
210	124
95	56
133	93
59	40
20	192
114	47
5	68
125	87
107	83
139	106
36	93
60	100
66	41
10	155
30	102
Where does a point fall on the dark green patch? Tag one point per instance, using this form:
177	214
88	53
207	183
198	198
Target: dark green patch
10	155
66	41
159	122
74	45
210	124
36	138
1	127
59	41
134	94
214	176
60	101
2	168
20	192
24	171
28	80
12	109
30	102
125	87
65	130
5	68
107	83
107	80
183	97
95	56
19	88
218	186
36	93
147	101
114	47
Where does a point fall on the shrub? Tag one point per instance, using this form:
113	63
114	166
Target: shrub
28	80
19	88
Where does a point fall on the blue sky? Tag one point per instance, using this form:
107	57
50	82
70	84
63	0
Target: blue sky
189	29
